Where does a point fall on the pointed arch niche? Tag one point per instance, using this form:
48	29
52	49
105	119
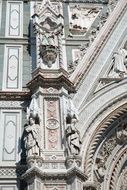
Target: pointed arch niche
105	153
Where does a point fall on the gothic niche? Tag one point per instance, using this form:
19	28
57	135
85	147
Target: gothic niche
48	42
48	28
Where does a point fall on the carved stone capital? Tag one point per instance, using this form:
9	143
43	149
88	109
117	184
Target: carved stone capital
73	161
34	161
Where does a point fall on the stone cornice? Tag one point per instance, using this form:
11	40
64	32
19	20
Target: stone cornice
59	174
77	1
86	1
56	79
13	95
98	44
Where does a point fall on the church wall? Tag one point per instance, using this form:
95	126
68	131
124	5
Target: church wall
92	105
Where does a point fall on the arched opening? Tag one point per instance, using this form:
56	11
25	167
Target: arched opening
105	158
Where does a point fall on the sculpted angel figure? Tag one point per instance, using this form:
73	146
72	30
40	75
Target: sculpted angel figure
32	138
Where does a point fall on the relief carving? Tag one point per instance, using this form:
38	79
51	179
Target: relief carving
52	127
100	168
108	147
53	139
81	19
121	133
52	124
124	181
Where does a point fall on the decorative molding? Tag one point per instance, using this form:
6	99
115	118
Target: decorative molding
59	175
4	95
12	172
86	1
11	104
57	80
117	168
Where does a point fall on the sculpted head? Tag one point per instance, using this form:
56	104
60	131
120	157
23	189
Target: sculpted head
31	121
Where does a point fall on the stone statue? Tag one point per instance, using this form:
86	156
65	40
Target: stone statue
121	133
48	38
100	168
119	60
73	137
32	138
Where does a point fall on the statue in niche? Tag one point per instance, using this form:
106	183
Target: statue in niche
49	33
121	133
33	137
119	63
73	137
48	39
100	168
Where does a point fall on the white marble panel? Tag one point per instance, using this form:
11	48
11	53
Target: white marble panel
0	11
7	188
10	136
12	74
14	20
